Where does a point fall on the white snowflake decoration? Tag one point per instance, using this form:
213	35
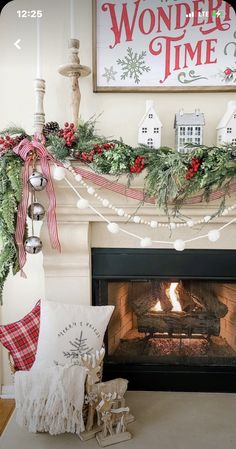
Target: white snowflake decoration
109	74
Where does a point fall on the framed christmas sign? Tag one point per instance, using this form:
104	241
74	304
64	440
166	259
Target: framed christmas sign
164	45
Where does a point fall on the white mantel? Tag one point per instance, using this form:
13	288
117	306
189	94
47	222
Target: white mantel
68	275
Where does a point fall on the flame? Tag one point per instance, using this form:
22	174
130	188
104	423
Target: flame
173	297
157	307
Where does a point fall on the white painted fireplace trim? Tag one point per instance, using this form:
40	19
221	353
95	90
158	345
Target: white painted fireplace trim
68	275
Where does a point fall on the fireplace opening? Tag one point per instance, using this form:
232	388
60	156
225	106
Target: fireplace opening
185	322
174	323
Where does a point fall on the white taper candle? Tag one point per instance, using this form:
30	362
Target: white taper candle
72	19
39	55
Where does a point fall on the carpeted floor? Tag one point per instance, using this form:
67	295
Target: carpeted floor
164	420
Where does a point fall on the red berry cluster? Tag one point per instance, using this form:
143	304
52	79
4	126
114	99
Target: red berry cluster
228	71
138	165
193	168
97	149
69	133
7	142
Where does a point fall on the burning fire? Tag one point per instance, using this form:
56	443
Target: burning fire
157	307
173	297
176	306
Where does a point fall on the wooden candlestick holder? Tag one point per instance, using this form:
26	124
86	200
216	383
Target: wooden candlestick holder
74	70
39	116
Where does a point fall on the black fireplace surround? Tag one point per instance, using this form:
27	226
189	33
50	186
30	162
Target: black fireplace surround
110	264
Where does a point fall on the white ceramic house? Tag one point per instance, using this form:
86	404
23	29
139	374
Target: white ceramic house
188	129
226	129
149	130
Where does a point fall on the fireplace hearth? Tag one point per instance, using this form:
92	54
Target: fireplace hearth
174	324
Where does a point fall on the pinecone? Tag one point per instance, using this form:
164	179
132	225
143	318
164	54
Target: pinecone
50	128
19	138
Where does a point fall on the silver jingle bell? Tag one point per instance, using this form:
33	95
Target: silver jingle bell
33	245
37	180
36	211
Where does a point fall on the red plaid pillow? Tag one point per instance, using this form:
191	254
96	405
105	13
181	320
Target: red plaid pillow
21	338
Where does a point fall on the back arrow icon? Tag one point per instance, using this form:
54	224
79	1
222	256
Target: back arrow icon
17	44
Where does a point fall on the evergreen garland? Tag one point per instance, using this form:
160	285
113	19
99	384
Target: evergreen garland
171	177
10	194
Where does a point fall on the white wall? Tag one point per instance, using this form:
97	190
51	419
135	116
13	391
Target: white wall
121	112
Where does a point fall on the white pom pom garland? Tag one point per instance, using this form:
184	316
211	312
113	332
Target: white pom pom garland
105	202
78	177
213	235
58	173
190	223
113	228
153	224
179	245
90	190
82	203
120	212
145	242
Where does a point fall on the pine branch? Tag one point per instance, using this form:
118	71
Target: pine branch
8	210
14	176
11	130
56	146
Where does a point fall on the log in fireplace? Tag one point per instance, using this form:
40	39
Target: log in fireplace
174	324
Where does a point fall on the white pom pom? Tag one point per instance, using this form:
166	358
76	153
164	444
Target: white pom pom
90	190
190	223
136	219
225	212
179	245
207	218
105	202
82	203
172	225
78	177
59	173
120	212
153	224
213	235
113	228
145	242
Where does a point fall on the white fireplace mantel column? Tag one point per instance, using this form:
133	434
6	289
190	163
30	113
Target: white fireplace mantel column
68	274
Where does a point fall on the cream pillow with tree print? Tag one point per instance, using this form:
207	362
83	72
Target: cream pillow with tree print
70	330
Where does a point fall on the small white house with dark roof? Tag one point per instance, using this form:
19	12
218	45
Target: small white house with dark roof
226	129
149	130
188	129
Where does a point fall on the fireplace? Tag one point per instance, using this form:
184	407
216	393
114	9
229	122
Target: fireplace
174	325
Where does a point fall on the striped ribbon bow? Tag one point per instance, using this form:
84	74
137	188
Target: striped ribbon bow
25	150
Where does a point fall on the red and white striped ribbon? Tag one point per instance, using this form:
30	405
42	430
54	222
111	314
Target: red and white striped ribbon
139	194
24	150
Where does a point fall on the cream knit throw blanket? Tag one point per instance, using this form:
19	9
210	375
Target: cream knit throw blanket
50	399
